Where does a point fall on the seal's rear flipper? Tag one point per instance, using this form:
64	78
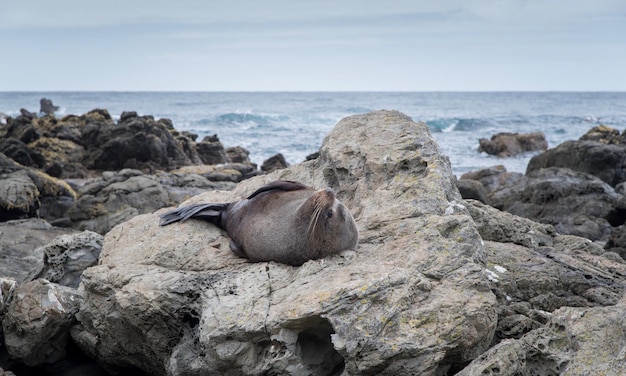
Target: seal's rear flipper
207	212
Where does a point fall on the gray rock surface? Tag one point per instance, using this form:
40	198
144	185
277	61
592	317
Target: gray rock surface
606	161
67	256
36	325
413	299
21	241
115	197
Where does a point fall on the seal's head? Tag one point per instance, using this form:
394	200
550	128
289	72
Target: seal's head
330	225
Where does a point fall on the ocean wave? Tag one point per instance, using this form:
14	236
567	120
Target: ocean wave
457	124
244	117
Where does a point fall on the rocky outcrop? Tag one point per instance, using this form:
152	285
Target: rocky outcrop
472	189
600	152
83	146
21	244
46	106
273	163
509	144
67	256
115	197
25	192
37	323
554	292
412	299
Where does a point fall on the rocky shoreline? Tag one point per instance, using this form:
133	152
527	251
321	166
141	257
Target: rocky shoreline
494	273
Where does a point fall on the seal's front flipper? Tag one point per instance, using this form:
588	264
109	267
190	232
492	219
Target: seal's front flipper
207	212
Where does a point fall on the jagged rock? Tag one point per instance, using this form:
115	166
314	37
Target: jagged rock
46	106
494	177
607	162
211	151
472	189
25	192
509	144
134	141
36	325
115	197
21	153
617	241
603	134
576	341
67	256
503	227
238	154
21	254
412	299
63	157
273	163
575	203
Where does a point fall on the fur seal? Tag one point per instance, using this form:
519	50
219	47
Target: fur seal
283	221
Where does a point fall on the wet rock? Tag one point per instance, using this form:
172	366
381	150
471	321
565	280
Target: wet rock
509	144
273	163
412	299
36	325
46	106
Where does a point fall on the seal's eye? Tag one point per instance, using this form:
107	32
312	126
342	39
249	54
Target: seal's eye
329	214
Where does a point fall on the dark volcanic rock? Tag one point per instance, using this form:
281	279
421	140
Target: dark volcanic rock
472	189
276	162
508	144
211	151
608	162
25	192
573	202
134	141
46	106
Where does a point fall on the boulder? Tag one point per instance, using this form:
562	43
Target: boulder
211	151
575	203
46	106
135	141
509	144
67	256
575	341
472	189
21	241
603	134
606	161
273	163
25	192
536	275
412	299
37	323
494	177
238	154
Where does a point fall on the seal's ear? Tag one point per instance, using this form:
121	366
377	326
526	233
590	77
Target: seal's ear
279	185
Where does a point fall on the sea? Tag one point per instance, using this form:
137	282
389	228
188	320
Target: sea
295	123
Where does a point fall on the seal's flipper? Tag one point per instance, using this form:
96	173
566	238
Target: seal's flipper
280	185
207	212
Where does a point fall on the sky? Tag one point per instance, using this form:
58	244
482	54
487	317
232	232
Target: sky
315	45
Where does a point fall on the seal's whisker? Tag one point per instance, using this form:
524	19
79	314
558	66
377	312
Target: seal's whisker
314	218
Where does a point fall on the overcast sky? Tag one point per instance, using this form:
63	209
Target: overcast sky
237	45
